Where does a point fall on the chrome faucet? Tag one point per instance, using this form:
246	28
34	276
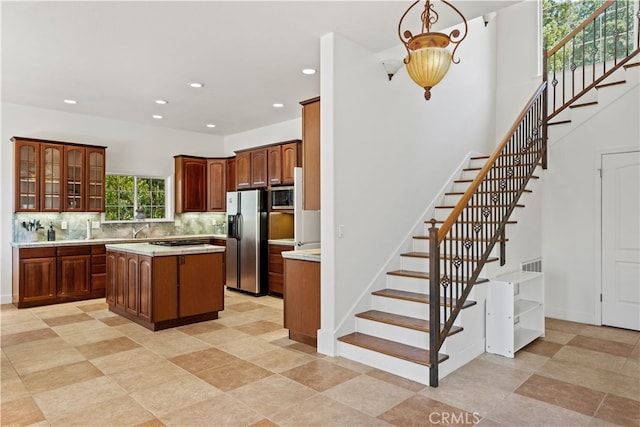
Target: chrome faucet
136	232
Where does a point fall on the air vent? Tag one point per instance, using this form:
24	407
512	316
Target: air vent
535	265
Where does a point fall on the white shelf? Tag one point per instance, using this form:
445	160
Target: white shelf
524	336
515	311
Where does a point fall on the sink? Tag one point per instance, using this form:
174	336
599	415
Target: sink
178	243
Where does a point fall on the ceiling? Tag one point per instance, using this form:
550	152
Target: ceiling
115	58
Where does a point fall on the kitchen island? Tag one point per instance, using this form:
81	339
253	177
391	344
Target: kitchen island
302	295
159	285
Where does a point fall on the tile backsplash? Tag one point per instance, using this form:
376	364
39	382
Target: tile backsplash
187	224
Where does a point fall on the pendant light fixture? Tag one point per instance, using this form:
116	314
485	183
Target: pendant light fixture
428	58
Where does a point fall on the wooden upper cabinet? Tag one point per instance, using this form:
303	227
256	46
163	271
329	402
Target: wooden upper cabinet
243	170
311	153
259	168
231	174
274	160
27	158
74	179
54	176
95	179
51	177
290	159
216	185
190	184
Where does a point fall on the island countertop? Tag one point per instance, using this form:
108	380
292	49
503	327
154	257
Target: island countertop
156	250
312	255
114	240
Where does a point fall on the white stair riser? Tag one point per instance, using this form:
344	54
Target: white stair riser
393	333
408	284
402	368
409	308
469	174
421	264
451	199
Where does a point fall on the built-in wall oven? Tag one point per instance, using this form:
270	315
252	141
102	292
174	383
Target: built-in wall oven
282	198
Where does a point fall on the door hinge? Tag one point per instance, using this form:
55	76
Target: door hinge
181	262
600	297
600	171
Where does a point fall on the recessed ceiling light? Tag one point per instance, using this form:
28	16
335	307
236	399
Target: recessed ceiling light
70	101
210	125
308	71
196	84
157	116
161	101
278	105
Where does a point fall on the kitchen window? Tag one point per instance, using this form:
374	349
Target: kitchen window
125	194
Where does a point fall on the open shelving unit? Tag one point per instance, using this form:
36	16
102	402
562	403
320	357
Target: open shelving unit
515	312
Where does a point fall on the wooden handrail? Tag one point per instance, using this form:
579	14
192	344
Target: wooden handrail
579	28
462	203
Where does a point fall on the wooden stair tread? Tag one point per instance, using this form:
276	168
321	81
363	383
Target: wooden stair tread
391	348
457	238
426	255
480	206
461	181
441	221
559	122
583	104
461	193
402	321
417	297
631	65
619	82
422	275
480	157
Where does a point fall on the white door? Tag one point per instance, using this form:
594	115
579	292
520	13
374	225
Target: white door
621	240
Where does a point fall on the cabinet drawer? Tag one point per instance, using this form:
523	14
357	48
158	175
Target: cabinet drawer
276	263
99	269
98	260
37	252
98	249
276	283
74	250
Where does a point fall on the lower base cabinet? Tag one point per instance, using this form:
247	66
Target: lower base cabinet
276	268
302	300
165	291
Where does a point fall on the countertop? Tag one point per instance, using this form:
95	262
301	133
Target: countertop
285	242
303	255
107	240
155	250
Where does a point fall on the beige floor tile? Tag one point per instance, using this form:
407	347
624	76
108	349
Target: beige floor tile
222	336
612	334
559	337
87	332
349	364
563	394
464	393
221	410
149	375
113	320
323	411
42	354
264	423
60	376
368	395
154	422
244	306
17	327
94	306
203	359
120	411
171	343
80	396
279	360
614	348
505	378
631	368
421	410
259	327
21	412
12	389
174	395
594	359
201	327
247	347
396	380
517	410
543	348
619	410
233	375
28	336
320	375
564	325
107	347
65	320
126	360
270	395
523	360
275	336
57	310
9	314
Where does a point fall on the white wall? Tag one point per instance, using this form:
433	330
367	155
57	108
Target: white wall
571	205
386	153
284	131
131	148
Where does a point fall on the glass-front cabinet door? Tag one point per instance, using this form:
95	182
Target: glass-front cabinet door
74	178
27	161
95	179
51	184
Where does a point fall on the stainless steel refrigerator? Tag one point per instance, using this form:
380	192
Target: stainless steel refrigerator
247	241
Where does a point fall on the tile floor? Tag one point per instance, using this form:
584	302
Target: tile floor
79	364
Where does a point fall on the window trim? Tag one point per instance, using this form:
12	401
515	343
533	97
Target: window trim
168	198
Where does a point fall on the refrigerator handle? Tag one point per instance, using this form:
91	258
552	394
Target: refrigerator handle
239	226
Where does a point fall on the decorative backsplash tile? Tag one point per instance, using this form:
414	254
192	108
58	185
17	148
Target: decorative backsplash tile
191	223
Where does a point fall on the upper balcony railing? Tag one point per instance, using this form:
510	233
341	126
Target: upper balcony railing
591	52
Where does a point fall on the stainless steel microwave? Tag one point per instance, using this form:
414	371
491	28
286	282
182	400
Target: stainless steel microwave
282	197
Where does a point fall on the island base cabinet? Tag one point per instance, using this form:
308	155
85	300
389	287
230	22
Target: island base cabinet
166	291
302	300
